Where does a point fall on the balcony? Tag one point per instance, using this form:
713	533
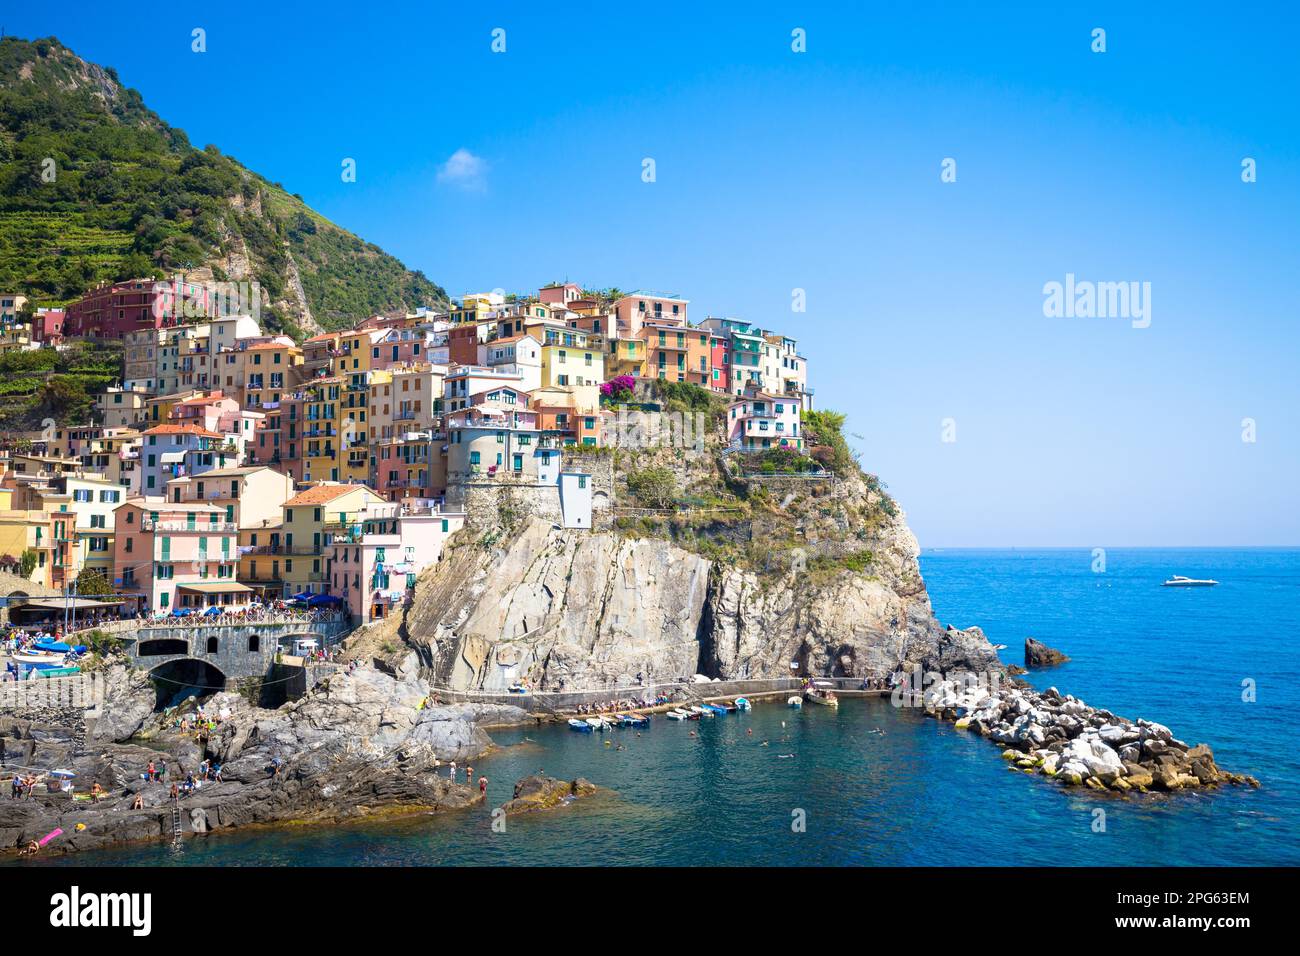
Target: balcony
174	527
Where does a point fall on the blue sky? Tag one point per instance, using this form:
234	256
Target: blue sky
821	171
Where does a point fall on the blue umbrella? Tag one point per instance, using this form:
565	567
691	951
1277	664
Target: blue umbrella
213	611
182	612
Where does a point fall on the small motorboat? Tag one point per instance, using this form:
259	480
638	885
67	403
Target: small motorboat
581	726
598	723
637	720
716	708
702	711
1179	581
677	715
823	697
795	703
742	703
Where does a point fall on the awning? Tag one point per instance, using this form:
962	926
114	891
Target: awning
231	587
75	604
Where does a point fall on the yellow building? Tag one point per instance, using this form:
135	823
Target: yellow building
626	357
309	518
569	359
33	531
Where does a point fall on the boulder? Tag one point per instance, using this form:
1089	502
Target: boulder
539	792
1038	654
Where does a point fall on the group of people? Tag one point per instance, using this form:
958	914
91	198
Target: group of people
271	612
469	775
22	786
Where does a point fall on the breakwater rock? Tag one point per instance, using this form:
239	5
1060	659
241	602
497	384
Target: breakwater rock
1066	740
539	792
1038	654
360	744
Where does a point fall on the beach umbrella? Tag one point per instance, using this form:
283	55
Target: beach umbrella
213	611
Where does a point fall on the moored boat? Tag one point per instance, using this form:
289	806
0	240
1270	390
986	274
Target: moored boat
598	723
824	698
579	725
742	703
795	702
715	708
677	715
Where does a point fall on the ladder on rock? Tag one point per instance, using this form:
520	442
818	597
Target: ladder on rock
176	821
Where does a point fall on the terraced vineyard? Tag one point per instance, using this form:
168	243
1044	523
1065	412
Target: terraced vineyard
94	186
62	385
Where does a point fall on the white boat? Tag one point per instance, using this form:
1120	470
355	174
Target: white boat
823	697
1178	581
676	715
796	703
39	657
703	711
742	703
597	723
579	725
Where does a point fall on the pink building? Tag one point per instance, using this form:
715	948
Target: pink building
373	561
560	293
110	311
632	311
398	346
177	555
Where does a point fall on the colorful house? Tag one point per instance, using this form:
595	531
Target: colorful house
760	421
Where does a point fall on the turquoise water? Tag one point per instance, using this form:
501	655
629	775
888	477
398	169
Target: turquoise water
876	785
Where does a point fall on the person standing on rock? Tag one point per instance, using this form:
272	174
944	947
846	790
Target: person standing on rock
482	785
452	775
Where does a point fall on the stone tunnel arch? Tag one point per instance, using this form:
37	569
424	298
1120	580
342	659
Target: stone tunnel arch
176	679
162	647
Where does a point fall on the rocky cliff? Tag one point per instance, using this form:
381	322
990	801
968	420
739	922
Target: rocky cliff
822	573
359	744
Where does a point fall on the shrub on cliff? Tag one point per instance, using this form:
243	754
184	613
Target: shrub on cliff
825	430
653	487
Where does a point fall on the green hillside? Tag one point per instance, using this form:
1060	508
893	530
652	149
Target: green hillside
132	197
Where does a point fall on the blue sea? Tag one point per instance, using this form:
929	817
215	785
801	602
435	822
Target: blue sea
873	785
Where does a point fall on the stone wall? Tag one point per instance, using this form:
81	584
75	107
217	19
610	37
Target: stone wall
505	501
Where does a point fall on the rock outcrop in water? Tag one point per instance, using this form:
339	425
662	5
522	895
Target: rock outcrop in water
360	744
1038	654
540	792
1066	740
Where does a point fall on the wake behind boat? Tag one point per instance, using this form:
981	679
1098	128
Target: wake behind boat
1179	581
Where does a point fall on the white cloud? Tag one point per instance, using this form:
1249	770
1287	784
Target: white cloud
464	170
